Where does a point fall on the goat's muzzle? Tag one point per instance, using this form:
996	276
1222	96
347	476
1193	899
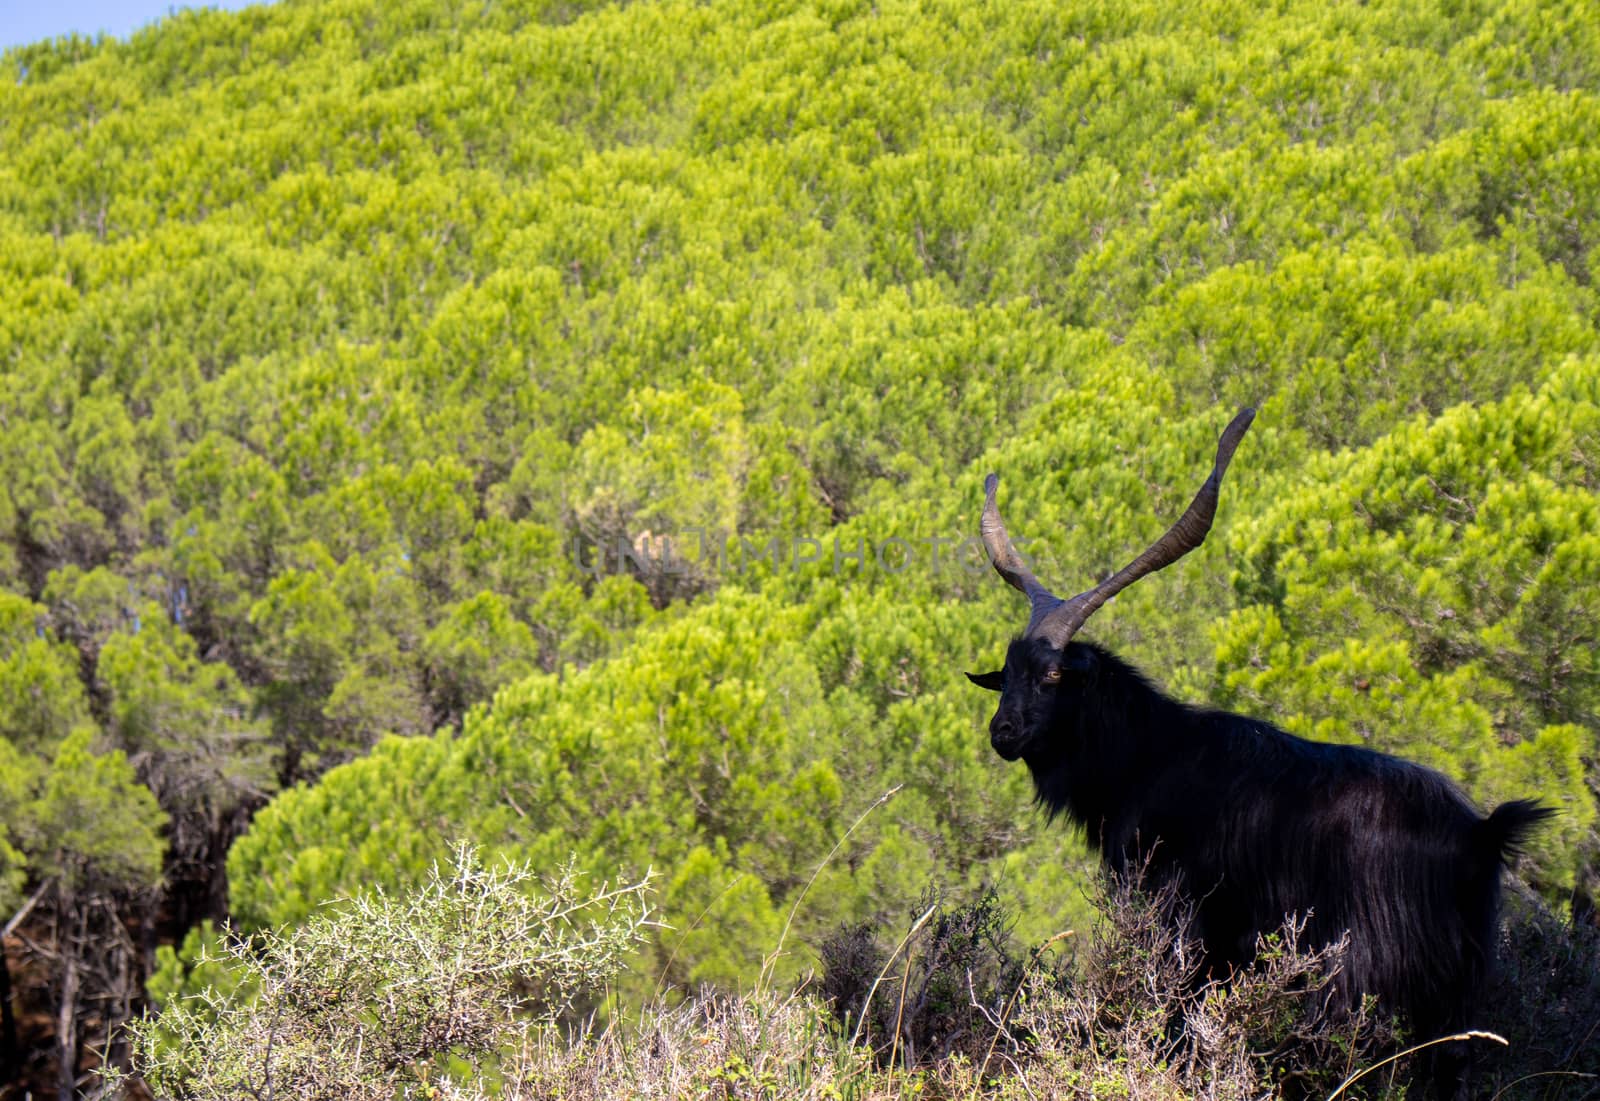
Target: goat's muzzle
1005	738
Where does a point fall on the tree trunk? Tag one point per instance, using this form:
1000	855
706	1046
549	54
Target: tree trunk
10	1067
67	1029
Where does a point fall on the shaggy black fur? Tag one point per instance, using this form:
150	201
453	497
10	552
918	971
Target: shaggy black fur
1255	823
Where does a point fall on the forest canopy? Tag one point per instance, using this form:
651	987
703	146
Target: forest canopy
556	426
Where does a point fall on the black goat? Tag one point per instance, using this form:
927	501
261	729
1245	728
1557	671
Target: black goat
1255	824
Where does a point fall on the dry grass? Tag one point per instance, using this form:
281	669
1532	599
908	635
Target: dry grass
708	1047
953	1011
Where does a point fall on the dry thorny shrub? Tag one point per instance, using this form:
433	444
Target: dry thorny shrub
940	995
381	995
1129	1012
1140	1017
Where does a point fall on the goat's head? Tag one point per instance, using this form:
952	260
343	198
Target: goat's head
1039	687
1045	671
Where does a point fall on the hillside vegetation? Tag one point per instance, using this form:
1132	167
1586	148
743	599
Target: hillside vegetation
359	361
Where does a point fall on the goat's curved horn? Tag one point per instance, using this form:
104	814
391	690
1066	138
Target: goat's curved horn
1060	623
1008	563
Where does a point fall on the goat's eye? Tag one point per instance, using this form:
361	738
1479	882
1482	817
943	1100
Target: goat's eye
1051	676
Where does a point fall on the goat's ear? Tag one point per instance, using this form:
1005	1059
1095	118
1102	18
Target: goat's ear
994	682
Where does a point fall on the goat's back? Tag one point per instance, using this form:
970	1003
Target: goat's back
1263	824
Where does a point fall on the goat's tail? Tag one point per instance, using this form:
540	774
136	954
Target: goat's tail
1502	834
